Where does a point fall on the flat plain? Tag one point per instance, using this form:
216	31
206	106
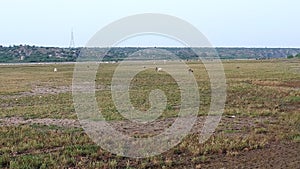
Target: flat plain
260	127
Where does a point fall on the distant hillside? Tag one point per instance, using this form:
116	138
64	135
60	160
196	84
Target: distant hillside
27	53
37	54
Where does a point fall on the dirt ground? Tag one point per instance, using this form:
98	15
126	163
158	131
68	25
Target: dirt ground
280	155
153	128
275	155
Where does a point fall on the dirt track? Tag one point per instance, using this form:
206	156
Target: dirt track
283	155
152	128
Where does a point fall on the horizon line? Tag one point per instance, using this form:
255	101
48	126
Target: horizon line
252	47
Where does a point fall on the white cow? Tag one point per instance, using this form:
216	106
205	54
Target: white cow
158	69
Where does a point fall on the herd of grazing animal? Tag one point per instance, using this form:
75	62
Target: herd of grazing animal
159	69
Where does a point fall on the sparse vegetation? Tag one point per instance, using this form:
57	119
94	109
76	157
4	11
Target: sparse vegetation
262	112
294	56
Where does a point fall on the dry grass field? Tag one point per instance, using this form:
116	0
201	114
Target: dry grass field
260	127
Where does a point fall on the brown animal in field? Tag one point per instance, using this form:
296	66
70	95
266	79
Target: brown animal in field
191	70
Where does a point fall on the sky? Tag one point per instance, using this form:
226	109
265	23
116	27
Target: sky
226	23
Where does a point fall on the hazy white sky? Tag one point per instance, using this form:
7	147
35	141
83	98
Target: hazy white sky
249	23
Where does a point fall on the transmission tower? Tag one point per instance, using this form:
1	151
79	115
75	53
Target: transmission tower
72	41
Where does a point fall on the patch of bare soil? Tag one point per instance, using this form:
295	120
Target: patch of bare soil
277	155
38	90
290	84
274	155
237	124
15	121
49	90
288	107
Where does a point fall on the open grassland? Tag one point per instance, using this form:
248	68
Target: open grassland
259	128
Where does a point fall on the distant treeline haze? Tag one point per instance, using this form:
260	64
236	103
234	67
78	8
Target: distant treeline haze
25	53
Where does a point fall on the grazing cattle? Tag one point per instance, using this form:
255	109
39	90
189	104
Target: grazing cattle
55	70
191	70
158	69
